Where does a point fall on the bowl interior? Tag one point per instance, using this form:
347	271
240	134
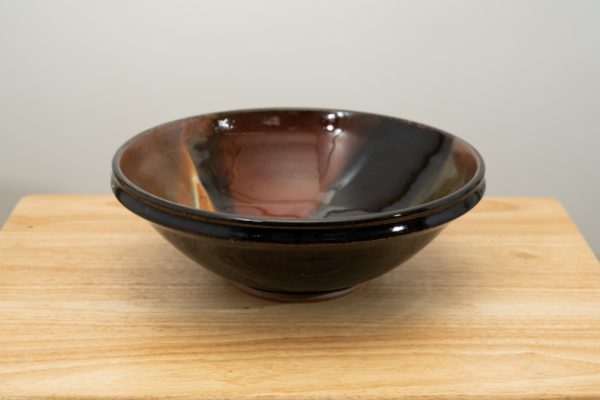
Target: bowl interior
297	163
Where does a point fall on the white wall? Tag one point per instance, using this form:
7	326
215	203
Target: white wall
518	79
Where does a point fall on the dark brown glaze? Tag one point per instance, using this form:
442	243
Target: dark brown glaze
298	204
293	268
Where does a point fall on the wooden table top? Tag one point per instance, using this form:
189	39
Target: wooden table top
505	303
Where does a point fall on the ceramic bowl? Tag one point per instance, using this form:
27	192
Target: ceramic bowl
298	204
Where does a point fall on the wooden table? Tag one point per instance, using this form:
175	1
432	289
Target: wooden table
94	304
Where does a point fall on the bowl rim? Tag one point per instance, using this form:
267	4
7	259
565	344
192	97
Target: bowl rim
121	182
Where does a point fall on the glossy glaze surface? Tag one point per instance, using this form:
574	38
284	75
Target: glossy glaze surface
307	269
298	164
298	201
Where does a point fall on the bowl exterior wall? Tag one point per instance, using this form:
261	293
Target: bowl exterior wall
298	267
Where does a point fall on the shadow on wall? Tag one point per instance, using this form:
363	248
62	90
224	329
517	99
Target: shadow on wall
10	193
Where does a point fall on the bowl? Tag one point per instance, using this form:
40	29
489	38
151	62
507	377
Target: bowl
298	204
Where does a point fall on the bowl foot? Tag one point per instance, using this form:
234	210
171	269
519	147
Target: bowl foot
290	297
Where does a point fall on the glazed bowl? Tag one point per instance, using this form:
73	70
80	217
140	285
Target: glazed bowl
298	204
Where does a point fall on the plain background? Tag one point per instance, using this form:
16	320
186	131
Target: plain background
520	80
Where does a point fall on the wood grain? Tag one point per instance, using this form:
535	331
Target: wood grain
94	304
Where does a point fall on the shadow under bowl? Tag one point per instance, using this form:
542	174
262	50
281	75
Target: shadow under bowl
298	204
